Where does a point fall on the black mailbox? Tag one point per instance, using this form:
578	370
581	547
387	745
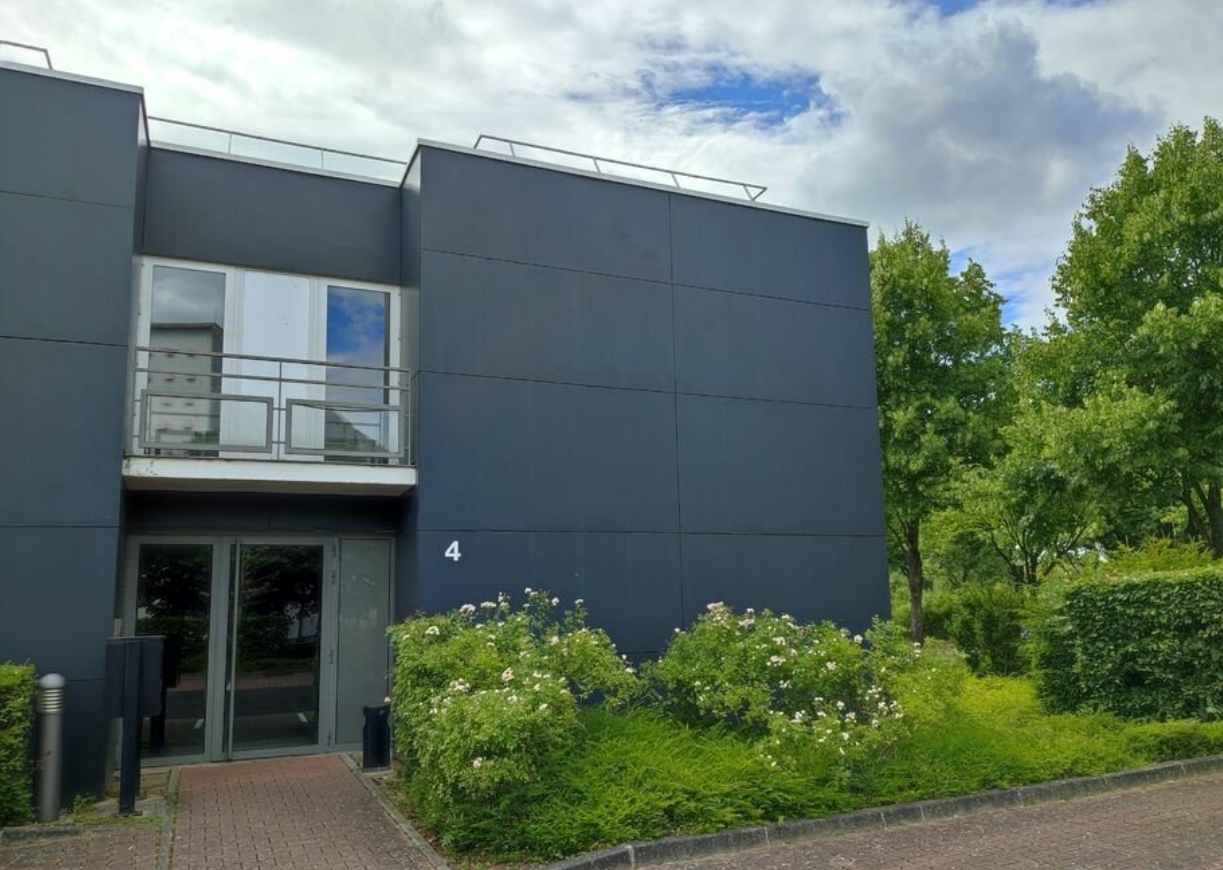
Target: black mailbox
149	652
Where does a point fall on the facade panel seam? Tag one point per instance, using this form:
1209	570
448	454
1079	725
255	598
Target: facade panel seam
23	193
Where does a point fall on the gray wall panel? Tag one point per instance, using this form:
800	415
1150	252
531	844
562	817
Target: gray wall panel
502	454
65	269
630	582
86	730
491	208
730	344
811	578
59	593
490	317
67	140
201	512
224	211
775	467
735	247
63	432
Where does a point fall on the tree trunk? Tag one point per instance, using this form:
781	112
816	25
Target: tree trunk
917	581
1214	516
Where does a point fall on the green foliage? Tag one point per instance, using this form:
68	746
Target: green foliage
1140	647
743	669
1136	367
1156	554
985	622
17	685
637	775
484	695
941	369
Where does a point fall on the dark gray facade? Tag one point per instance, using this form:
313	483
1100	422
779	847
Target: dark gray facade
68	168
644	398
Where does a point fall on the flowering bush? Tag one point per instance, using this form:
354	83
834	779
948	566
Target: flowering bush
484	693
815	695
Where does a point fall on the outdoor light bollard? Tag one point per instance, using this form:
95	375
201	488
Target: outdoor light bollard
50	745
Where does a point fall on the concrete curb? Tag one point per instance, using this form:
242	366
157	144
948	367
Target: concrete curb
422	845
632	855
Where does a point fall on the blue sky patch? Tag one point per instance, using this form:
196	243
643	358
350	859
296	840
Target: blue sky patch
774	100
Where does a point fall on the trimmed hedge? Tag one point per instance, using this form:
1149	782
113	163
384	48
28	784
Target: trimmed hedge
17	685
1149	646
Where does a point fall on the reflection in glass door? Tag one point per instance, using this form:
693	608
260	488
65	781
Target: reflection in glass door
173	597
274	646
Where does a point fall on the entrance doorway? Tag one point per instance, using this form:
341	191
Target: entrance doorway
273	645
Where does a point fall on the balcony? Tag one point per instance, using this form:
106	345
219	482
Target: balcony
212	421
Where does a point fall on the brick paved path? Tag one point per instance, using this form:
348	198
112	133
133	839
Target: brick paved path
307	813
127	847
1174	826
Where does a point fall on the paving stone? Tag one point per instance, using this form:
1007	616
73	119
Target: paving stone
1169	826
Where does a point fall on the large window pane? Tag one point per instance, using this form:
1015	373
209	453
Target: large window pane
365	612
186	324
173	595
357	322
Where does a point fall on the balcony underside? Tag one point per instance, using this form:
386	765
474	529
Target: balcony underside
180	474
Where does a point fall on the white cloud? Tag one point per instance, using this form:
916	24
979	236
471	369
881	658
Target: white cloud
989	126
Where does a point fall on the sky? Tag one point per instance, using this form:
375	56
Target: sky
988	122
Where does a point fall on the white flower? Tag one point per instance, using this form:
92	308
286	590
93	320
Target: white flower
857	638
845	736
579	602
555	601
830	666
784	684
433	629
840	705
554	640
477	763
487	605
507	675
747	623
774	661
527	590
780	641
543	707
468	609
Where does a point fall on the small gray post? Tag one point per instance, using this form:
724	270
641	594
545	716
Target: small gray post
50	748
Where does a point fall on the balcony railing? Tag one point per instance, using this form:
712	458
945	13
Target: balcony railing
164	131
207	405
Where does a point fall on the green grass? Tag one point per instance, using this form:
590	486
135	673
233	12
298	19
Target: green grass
638	775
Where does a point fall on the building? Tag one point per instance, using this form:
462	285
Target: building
266	408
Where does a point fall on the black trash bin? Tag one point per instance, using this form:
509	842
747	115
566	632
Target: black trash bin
376	737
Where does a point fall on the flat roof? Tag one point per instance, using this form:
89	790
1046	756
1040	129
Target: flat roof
394	174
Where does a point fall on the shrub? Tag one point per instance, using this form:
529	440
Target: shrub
1148	646
16	725
986	623
483	695
817	697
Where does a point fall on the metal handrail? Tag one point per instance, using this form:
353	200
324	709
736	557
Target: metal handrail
277	440
35	48
674	174
398	166
287	360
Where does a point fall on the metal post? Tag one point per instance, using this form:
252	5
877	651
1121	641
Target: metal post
50	745
129	758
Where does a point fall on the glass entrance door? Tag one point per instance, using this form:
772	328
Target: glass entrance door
274	684
273	645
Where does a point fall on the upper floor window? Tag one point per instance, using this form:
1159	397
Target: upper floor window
240	360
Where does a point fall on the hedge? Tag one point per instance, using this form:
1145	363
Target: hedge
1148	646
16	725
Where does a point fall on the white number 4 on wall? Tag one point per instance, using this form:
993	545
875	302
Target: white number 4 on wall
452	552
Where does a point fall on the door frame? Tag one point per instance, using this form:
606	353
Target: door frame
218	714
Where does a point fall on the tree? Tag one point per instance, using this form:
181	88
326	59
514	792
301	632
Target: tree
1142	287
940	362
